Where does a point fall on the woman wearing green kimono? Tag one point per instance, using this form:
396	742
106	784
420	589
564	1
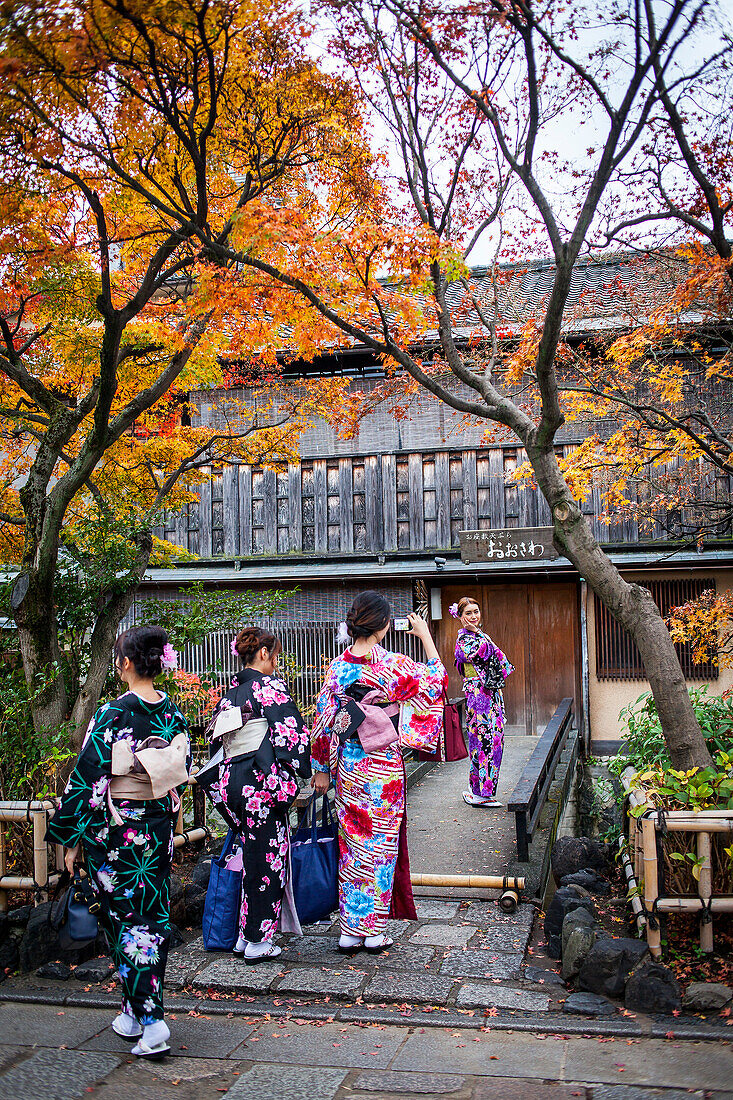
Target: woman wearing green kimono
124	834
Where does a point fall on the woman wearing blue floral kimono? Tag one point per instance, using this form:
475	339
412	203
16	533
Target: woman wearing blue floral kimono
484	669
127	842
368	770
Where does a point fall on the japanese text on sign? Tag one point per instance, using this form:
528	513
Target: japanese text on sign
515	544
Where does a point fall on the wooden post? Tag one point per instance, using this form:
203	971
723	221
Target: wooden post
705	890
3	868
40	853
651	883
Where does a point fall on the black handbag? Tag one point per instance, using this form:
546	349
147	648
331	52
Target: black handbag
74	917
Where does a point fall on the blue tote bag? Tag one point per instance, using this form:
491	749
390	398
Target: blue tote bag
221	908
315	860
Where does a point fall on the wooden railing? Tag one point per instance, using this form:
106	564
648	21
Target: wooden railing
530	793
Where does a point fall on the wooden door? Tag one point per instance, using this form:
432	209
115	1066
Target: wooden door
554	648
505	611
536	625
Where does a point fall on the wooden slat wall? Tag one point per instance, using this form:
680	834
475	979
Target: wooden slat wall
346	512
617	658
374	503
321	505
417	522
389	501
231	511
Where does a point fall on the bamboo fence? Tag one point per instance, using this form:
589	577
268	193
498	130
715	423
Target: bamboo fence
48	859
663	886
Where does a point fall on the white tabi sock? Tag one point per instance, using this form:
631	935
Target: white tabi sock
256	950
155	1035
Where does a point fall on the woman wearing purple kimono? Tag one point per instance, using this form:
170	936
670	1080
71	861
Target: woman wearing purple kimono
484	669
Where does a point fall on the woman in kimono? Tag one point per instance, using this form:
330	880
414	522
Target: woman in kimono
484	669
252	781
370	782
127	843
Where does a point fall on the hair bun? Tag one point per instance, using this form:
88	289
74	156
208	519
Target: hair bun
368	614
252	638
143	645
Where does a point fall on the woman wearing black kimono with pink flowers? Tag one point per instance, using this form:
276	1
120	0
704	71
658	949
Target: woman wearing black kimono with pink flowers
260	746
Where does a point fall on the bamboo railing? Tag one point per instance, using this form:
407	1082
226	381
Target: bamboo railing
644	835
48	859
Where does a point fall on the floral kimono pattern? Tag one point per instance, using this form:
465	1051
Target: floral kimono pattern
484	669
253	793
370	787
129	864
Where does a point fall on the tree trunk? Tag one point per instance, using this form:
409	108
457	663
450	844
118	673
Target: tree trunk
103	636
35	616
633	606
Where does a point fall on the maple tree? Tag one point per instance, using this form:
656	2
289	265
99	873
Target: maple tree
133	138
667	383
477	96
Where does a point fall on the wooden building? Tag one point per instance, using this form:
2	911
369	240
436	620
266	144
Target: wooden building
386	509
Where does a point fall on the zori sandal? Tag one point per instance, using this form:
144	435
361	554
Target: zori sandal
154	1054
126	1027
272	952
375	945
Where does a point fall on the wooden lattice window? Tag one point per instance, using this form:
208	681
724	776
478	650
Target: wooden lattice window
617	658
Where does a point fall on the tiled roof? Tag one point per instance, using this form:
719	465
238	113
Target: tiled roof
607	292
601	289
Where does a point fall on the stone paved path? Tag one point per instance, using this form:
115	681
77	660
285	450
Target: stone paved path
64	1054
448	837
463	964
455	955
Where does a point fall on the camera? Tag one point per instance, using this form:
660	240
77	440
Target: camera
401	624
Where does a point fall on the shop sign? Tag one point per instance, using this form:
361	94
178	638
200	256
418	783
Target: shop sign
512	544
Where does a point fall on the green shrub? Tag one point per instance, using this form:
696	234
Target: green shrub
643	740
31	763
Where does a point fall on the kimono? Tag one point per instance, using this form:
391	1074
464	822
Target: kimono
253	793
370	787
128	864
484	669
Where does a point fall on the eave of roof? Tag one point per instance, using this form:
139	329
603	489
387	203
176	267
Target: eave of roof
449	569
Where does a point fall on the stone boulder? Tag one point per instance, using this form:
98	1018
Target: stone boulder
652	987
213	848
590	880
608	964
588	1004
202	871
564	901
40	943
95	970
177	902
55	971
19	917
707	996
194	897
578	937
571	854
9	956
574	919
